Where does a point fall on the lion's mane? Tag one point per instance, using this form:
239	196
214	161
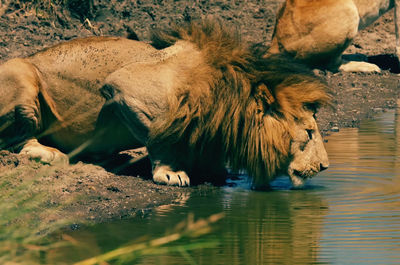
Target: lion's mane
238	104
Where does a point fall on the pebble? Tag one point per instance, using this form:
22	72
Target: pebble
334	129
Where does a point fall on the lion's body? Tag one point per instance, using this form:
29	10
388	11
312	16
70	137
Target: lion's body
317	32
68	78
201	101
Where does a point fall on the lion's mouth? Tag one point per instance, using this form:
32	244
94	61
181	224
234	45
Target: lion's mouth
299	178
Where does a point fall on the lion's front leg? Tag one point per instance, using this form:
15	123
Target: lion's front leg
168	164
164	174
181	167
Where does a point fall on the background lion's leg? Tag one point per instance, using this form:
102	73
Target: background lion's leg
369	14
397	27
20	116
307	32
356	66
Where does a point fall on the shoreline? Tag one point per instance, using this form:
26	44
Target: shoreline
89	193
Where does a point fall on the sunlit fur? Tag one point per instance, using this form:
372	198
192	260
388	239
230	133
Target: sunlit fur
238	105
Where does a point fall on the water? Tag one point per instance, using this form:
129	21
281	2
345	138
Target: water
349	214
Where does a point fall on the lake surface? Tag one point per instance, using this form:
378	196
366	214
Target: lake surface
349	214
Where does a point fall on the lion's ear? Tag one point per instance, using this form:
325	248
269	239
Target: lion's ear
264	98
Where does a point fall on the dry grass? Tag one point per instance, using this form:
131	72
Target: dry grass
184	230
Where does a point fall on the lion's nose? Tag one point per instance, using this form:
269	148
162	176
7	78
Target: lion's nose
322	167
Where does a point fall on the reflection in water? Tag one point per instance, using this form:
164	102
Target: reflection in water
363	224
258	228
270	228
349	214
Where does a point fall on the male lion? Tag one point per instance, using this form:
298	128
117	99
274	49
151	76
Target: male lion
317	32
201	101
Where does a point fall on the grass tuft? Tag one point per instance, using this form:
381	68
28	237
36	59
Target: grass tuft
187	229
23	205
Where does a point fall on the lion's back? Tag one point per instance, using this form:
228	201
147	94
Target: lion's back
72	74
86	62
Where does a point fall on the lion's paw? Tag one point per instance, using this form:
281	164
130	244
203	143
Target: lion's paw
354	66
165	175
44	154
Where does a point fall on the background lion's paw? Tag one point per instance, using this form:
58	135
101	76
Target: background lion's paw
363	67
164	175
44	154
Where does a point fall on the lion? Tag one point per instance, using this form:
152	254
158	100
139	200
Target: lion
198	99
317	32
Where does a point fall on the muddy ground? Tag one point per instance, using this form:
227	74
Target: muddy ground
89	192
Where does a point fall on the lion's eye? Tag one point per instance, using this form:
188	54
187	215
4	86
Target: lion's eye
310	133
312	108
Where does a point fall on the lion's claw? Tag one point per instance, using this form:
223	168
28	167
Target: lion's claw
165	175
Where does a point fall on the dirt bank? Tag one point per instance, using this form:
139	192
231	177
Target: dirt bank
88	192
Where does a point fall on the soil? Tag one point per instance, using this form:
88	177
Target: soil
90	192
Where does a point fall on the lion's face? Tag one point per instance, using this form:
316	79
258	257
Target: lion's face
307	150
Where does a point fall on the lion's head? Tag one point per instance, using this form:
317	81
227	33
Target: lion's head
257	113
280	134
284	137
307	151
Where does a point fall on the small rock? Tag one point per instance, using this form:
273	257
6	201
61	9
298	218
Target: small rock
335	129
